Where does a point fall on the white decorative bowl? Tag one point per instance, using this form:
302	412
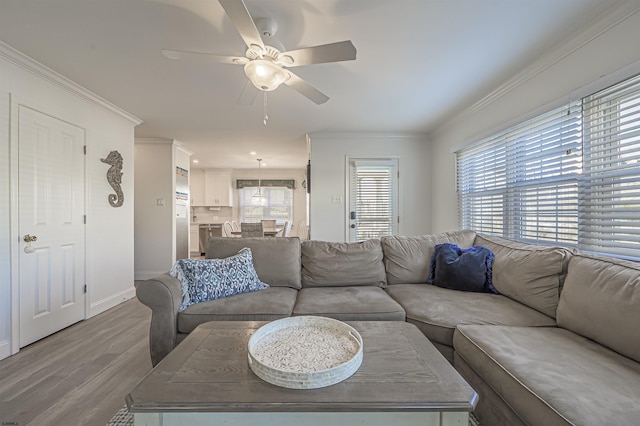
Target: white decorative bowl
305	352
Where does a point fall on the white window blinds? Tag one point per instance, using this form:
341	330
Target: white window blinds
610	191
523	183
373	198
278	206
482	186
570	176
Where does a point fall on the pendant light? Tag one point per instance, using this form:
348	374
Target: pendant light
258	199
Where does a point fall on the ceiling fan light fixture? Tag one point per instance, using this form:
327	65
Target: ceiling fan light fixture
240	60
256	50
265	75
284	60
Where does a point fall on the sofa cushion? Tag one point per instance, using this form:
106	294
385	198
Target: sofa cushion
551	376
210	279
328	264
359	303
276	260
407	259
266	305
530	274
437	311
491	408
601	300
462	269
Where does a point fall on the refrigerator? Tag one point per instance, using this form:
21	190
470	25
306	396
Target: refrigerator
182	213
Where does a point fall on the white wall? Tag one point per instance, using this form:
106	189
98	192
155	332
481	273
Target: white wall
109	231
608	45
329	174
156	160
299	194
154	224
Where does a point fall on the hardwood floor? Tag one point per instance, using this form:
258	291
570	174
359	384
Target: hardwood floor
80	375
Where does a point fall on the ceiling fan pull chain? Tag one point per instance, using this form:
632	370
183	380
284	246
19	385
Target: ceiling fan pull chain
266	117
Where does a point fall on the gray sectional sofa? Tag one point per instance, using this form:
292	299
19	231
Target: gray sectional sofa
559	345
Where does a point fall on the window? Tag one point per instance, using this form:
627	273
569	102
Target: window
373	198
482	187
610	192
278	206
523	183
570	176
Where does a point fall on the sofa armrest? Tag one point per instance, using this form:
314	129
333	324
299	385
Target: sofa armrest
163	294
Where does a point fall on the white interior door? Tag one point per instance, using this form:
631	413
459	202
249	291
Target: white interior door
51	207
373	198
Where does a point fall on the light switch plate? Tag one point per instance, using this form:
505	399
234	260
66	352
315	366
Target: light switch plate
159	201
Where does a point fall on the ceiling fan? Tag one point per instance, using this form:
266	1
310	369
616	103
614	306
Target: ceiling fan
265	63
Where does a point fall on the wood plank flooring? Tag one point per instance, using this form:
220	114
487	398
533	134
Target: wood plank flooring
80	375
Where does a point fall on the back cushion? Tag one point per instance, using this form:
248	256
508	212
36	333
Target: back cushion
529	274
601	300
276	260
407	259
327	264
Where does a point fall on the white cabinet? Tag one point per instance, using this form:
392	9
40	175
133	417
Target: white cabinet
211	187
217	186
197	187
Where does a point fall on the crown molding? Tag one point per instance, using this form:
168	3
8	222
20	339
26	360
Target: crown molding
602	23
34	67
163	141
182	148
155	141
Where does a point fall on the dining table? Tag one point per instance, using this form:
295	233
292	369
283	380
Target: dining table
266	232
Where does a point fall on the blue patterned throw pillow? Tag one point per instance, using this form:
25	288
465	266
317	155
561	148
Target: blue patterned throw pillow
210	279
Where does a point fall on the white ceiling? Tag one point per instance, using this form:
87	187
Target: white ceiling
418	63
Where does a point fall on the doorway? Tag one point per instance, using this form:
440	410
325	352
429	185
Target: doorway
51	217
373	198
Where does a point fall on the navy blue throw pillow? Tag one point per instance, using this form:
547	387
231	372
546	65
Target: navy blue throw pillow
463	269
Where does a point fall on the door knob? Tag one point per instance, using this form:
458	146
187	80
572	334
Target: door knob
29	238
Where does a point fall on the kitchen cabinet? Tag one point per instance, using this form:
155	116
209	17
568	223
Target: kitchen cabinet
217	186
197	187
211	187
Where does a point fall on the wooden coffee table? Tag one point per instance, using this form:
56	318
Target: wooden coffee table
403	380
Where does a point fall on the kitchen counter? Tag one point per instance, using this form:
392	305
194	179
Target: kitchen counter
207	230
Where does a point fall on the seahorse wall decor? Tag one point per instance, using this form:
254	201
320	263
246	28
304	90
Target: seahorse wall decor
114	177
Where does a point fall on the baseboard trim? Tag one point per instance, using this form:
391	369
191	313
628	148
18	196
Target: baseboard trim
111	301
5	349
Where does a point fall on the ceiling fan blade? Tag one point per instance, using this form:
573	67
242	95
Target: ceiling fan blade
306	89
332	52
239	15
202	57
248	94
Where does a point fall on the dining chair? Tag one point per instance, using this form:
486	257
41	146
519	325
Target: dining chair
249	229
303	230
235	226
268	224
227	229
286	230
